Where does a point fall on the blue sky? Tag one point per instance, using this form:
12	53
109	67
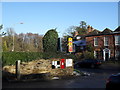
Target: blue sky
39	17
119	13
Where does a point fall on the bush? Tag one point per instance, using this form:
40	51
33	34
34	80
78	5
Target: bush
9	58
79	56
89	55
50	41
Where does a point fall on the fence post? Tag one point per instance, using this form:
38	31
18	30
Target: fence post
18	69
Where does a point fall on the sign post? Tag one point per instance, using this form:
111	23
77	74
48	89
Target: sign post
70	45
18	69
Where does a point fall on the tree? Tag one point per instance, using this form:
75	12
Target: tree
1	26
1	33
37	40
4	46
83	25
10	38
70	31
81	29
22	42
50	40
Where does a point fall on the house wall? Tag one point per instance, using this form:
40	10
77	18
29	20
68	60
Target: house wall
100	48
117	48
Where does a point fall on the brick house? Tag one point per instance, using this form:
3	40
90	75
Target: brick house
117	43
106	44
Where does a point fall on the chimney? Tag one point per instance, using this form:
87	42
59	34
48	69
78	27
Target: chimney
90	29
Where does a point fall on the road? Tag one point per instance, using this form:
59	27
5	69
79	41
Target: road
97	79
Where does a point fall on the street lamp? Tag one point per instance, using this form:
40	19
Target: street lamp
13	48
13	42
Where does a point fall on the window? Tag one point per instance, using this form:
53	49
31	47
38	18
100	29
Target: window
96	41
96	54
117	40
106	41
117	55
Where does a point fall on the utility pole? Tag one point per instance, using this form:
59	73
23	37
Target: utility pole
13	48
13	41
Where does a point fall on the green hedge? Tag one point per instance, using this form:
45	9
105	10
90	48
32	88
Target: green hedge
9	58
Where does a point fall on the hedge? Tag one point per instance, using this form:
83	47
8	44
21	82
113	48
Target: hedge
9	58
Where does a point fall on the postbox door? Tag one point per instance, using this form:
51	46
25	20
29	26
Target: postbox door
62	63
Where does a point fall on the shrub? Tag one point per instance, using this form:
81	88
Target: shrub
9	58
88	55
50	41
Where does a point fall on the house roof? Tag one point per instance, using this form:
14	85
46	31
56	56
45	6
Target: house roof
94	32
106	31
98	33
117	30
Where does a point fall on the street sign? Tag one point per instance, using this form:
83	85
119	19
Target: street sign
70	44
55	64
69	62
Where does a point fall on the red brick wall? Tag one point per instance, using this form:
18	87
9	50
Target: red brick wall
100	47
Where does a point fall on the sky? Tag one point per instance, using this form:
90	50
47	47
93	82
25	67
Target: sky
39	17
119	13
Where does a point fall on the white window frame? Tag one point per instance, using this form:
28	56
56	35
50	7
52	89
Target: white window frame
105	51
94	54
105	41
117	39
95	41
117	53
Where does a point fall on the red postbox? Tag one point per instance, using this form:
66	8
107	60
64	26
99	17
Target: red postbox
62	63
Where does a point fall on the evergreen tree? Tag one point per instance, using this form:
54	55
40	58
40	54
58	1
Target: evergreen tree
50	40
